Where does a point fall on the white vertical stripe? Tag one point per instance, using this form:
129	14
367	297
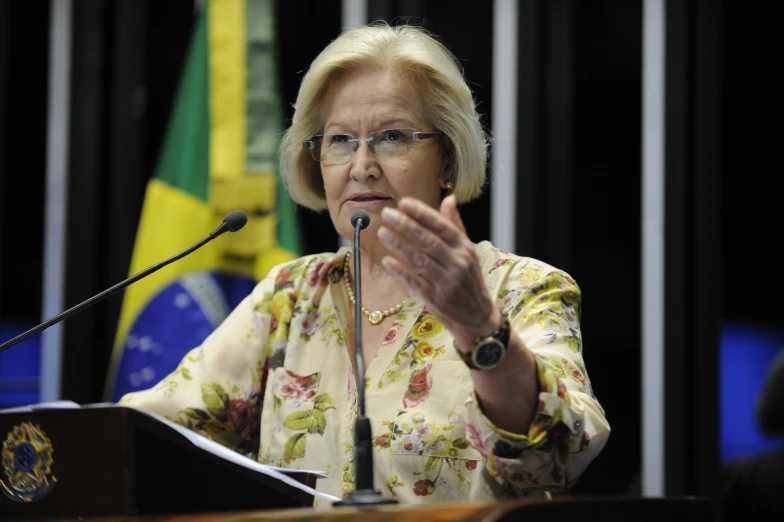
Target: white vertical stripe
504	132
56	194
353	14
653	88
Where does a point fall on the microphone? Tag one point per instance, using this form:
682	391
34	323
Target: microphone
231	223
364	494
360	217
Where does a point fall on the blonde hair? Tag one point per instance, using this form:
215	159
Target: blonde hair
409	51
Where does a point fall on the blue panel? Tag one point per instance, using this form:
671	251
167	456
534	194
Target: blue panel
747	352
19	362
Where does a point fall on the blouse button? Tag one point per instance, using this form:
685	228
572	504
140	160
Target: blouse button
350	456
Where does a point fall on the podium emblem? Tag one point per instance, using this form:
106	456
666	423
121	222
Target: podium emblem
27	462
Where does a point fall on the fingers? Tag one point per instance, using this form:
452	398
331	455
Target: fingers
409	238
449	210
433	220
415	281
429	250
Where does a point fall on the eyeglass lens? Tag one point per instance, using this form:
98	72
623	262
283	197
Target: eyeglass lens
337	149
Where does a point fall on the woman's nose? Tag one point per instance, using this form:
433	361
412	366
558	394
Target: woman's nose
364	163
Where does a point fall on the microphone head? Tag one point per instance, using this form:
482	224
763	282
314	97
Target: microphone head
235	219
362	214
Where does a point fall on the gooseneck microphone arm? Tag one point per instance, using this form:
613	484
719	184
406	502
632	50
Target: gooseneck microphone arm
231	223
364	494
364	466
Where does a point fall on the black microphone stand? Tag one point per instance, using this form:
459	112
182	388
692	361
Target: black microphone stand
364	494
233	221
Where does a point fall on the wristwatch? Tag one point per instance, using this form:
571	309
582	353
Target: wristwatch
487	352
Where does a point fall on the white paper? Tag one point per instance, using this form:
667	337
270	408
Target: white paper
55	405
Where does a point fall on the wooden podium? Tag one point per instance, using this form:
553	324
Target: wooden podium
561	509
118	461
118	464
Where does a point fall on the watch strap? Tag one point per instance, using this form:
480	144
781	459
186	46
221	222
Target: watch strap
502	334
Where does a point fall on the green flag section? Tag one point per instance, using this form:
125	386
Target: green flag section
219	155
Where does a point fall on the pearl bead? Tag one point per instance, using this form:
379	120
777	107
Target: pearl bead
375	317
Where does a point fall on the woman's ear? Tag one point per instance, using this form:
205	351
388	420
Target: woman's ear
446	177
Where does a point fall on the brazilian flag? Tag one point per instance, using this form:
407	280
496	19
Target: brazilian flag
219	154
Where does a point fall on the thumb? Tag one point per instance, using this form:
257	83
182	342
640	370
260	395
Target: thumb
449	211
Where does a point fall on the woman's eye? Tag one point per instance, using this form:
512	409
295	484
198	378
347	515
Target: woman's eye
340	138
393	135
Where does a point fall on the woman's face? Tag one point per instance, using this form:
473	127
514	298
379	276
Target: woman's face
364	101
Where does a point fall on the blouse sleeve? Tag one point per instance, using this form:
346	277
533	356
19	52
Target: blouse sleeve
217	389
569	427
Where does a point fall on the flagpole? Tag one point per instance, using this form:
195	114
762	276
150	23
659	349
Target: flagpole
55	212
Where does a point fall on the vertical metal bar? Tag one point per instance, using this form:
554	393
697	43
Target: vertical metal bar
56	194
353	14
652	306
504	113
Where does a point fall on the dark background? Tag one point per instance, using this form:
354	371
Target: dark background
579	176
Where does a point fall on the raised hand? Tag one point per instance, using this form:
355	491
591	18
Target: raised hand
430	251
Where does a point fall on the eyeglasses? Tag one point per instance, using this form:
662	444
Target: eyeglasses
338	149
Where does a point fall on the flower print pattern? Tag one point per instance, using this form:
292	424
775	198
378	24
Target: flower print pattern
555	309
392	483
310	324
329	329
418	388
392	333
498	264
408	445
283	278
318	276
509	299
278	355
222	413
442	444
382	441
574	370
240	413
298	396
427	326
474	437
265	384
422	351
423	488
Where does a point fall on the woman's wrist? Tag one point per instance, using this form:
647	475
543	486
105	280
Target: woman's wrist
466	337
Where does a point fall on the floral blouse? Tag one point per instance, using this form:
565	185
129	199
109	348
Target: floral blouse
275	382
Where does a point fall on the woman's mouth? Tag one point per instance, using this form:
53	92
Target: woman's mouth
367	199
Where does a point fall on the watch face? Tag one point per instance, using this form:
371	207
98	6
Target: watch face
488	354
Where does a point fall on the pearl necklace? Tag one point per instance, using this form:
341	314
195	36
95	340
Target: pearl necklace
375	317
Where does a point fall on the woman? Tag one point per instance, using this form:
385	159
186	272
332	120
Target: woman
475	382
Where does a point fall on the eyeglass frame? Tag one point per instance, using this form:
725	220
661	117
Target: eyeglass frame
415	136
